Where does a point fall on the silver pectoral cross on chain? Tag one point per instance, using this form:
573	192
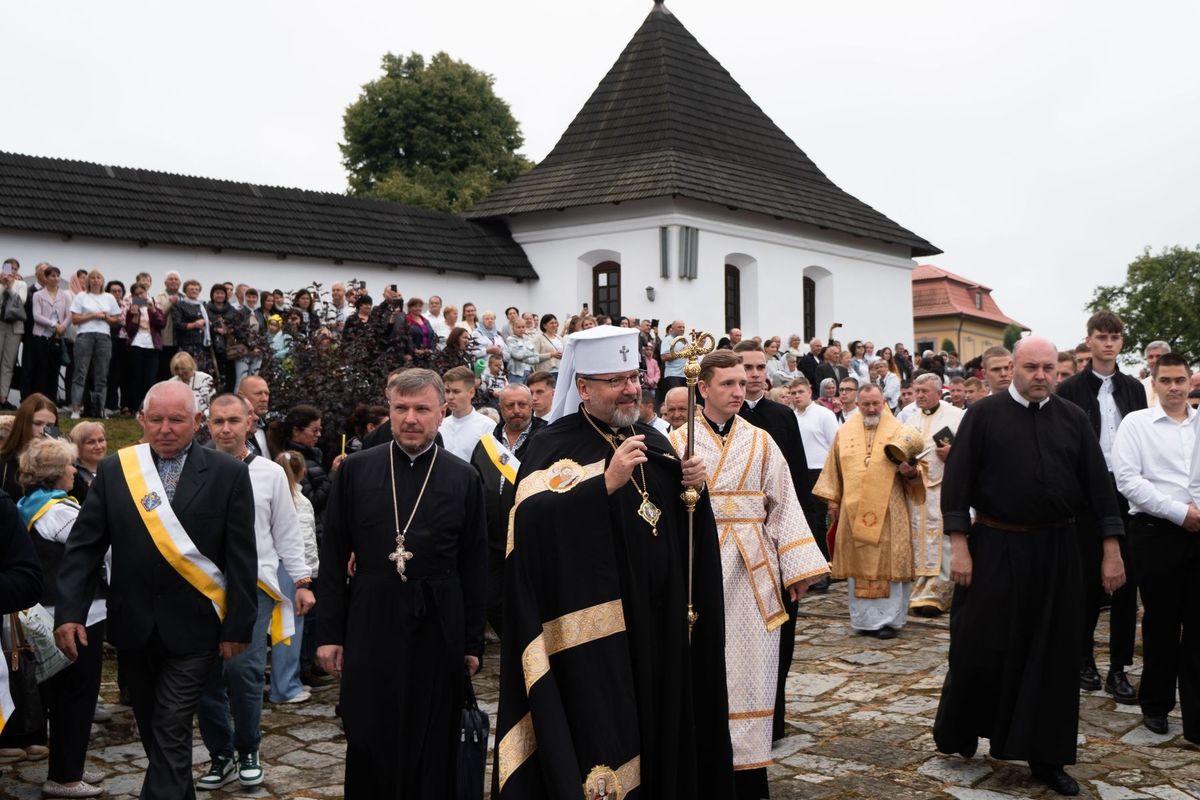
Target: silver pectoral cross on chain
400	556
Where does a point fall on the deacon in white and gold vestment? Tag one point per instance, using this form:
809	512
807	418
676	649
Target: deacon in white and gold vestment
932	589
765	543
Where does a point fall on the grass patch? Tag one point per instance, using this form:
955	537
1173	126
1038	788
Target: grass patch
121	431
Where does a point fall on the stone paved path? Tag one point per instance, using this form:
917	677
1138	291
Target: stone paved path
860	716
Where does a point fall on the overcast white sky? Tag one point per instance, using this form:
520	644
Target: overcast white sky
1040	145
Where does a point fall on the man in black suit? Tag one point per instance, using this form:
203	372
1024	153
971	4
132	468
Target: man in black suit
1107	396
497	461
832	366
808	363
780	422
180	521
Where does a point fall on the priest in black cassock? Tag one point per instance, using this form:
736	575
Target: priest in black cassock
779	422
408	626
600	688
1028	463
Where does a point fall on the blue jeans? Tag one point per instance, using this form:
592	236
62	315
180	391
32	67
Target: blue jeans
91	350
236	686
285	659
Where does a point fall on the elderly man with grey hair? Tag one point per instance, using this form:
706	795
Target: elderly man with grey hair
1153	352
938	423
180	522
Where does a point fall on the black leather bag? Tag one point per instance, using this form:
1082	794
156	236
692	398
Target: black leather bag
472	746
28	715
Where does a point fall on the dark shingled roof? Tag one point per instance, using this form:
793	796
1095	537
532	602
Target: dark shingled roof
668	120
49	195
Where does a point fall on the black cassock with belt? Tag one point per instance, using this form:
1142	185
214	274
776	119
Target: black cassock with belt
404	641
598	681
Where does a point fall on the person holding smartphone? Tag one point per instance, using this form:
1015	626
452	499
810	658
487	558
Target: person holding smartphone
144	324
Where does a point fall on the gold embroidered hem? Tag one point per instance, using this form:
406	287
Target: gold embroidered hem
515	748
567	631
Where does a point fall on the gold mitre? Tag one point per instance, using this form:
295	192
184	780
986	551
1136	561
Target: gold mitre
904	446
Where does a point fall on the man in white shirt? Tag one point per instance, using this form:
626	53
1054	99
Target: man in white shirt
236	686
1155	465
338	310
463	427
433	313
647	416
818	427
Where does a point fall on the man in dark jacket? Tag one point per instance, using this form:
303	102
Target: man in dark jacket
1106	395
180	521
497	459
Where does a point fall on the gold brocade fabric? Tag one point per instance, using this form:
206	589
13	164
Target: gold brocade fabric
765	542
847	478
933	587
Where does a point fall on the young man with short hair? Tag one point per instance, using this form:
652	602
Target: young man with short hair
463	427
997	369
1107	396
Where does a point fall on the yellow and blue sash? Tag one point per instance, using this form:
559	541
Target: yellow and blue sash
169	536
502	458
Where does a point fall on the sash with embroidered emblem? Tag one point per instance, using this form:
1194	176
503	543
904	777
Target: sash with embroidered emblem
150	500
502	458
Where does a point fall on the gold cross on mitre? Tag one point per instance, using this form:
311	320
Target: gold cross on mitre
401	557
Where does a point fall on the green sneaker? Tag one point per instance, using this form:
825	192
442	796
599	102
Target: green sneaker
221	772
250	772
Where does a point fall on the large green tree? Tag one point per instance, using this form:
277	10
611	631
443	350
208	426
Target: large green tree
1160	299
432	135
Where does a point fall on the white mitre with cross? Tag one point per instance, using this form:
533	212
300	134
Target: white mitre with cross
602	350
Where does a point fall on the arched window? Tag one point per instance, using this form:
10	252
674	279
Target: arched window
810	309
606	289
733	297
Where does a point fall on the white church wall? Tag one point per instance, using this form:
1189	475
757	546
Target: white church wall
866	288
124	260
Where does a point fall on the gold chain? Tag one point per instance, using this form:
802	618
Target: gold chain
401	556
647	511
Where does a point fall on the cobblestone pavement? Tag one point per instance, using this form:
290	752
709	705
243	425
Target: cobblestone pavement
860	717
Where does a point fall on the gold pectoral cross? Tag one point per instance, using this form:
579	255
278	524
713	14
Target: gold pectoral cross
401	556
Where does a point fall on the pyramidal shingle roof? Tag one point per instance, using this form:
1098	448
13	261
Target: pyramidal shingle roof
668	120
76	198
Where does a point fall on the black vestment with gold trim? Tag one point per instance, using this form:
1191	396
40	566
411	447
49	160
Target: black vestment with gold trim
598	680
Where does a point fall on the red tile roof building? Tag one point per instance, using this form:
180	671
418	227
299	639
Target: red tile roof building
949	306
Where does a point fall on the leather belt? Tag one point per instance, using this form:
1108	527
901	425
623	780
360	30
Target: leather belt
992	522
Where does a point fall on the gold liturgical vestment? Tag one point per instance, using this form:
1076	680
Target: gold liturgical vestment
874	539
933	587
763	534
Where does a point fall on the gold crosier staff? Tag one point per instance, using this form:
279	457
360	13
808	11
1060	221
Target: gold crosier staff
693	350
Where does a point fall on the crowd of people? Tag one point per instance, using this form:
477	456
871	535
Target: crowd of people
547	490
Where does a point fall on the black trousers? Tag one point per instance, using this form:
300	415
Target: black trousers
45	364
69	699
1167	559
1122	626
141	369
751	784
815	511
164	362
166	689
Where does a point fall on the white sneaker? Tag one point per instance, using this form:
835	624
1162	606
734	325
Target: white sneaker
303	696
74	415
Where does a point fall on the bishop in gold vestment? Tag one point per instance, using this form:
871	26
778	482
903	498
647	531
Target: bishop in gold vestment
873	547
765	543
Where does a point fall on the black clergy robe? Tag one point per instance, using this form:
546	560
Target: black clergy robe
1014	633
402	679
597	675
779	421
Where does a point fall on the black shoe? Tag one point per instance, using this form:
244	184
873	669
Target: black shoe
1119	687
820	587
886	632
1154	723
867	633
1056	778
1089	677
929	612
310	678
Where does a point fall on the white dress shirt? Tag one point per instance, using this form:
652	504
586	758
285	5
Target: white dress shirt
276	525
461	434
1110	417
818	427
1154	463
